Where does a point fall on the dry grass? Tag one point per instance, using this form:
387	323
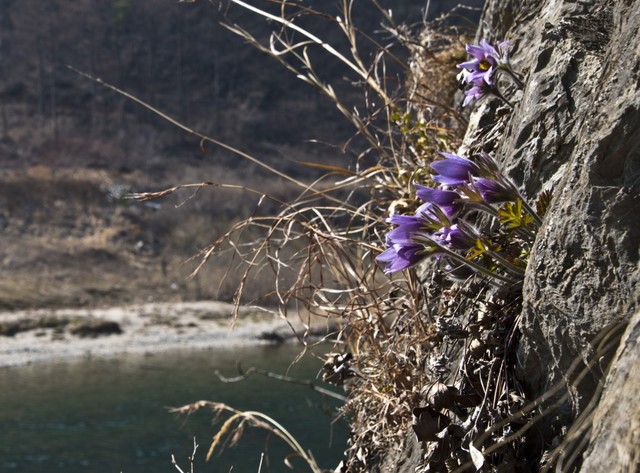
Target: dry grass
319	248
233	427
422	354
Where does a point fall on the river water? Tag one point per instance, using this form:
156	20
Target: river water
110	415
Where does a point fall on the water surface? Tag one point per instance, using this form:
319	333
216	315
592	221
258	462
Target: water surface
109	415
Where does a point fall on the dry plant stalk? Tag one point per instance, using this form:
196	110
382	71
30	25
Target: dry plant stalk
191	459
321	247
233	427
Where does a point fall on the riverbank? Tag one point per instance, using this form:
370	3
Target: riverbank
43	335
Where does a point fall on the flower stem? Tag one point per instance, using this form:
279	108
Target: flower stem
479	268
526	233
497	93
506	264
515	78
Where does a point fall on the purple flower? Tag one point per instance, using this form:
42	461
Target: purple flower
454	170
401	235
435	217
487	165
458	239
495	190
404	241
479	88
436	196
486	60
407	224
399	257
449	201
463	77
479	73
454	237
403	252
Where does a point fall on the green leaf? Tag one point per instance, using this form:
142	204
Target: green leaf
513	216
543	202
477	251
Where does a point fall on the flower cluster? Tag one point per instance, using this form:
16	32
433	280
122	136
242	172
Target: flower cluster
438	226
479	75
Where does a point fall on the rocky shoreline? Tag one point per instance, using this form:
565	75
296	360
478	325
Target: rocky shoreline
49	335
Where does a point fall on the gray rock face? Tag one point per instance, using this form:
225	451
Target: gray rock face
616	424
575	132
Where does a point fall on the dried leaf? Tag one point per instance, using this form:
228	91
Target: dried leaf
427	423
543	202
326	167
439	395
451	430
476	457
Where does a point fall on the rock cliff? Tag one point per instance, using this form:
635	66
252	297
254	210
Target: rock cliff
574	132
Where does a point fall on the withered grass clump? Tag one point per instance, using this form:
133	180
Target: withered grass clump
420	354
233	427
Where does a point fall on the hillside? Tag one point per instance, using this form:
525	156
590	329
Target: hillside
70	149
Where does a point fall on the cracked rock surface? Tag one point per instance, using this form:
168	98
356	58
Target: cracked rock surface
574	131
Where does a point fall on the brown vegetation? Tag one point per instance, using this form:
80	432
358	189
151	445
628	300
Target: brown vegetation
71	150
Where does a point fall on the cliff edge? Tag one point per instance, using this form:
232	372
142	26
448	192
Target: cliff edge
573	131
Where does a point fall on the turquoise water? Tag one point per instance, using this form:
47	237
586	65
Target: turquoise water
109	415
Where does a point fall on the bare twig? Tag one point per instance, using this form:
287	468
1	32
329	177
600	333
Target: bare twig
244	374
192	458
261	459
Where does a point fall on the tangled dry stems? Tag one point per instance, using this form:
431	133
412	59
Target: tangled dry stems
420	352
321	246
233	427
